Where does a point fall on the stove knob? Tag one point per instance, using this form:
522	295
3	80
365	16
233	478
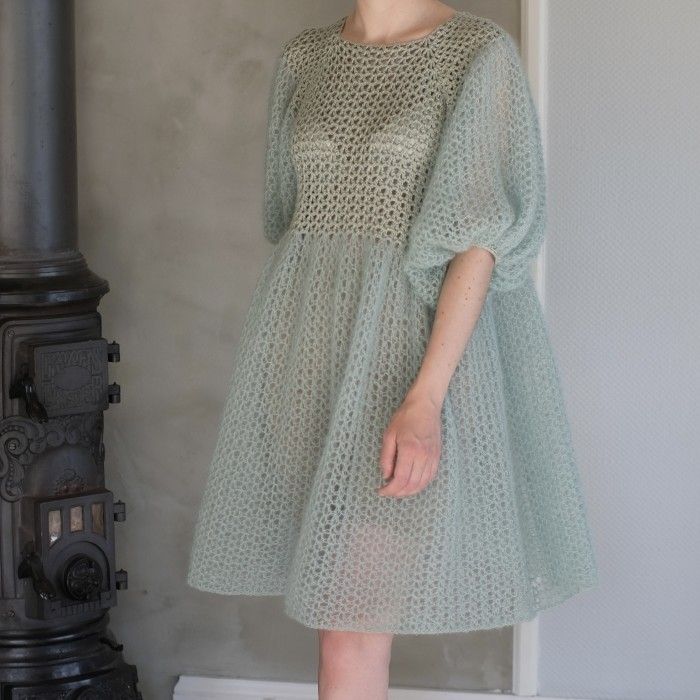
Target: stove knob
113	352
82	578
114	394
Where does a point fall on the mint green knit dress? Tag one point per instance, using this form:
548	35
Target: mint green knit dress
383	162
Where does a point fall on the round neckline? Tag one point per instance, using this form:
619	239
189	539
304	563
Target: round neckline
409	42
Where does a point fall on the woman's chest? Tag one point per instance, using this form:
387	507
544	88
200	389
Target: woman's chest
369	110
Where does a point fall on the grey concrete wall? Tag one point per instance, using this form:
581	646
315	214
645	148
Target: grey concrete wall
622	301
171	101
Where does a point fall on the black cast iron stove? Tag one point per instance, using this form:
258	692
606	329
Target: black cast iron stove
58	576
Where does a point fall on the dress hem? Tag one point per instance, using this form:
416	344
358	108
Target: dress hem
494	623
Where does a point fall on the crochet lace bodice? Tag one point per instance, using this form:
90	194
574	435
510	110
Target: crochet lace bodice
363	137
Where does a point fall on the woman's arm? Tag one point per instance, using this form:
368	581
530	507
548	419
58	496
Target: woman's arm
483	216
411	446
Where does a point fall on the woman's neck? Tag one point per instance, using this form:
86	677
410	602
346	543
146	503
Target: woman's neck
387	21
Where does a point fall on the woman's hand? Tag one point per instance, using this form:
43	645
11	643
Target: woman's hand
411	447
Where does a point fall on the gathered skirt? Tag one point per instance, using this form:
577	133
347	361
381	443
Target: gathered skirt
332	340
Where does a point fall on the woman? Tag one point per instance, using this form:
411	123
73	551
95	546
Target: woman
394	456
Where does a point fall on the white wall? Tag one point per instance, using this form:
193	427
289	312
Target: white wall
623	289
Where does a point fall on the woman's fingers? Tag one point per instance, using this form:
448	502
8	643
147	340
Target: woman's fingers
421	478
401	475
413	484
387	455
412	462
414	470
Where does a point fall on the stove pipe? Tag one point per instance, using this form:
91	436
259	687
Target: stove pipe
57	561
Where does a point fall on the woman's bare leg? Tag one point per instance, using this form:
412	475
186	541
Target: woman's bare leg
353	665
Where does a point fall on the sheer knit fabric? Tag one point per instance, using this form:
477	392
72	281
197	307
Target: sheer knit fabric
383	162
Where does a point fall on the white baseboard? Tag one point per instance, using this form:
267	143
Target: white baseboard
204	688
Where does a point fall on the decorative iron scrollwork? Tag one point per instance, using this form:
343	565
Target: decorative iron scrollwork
21	439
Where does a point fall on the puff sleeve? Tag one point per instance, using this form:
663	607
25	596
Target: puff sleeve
280	178
487	185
